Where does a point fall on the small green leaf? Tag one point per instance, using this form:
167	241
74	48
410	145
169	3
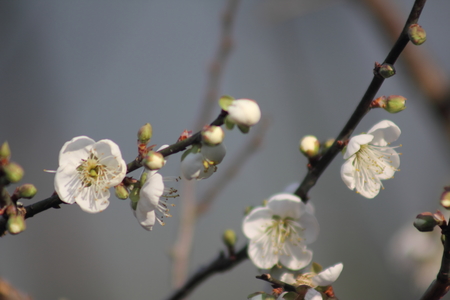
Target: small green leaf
255	294
225	101
185	153
290	296
228	124
243	128
316	268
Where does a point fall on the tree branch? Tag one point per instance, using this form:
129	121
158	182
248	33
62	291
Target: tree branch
362	109
221	264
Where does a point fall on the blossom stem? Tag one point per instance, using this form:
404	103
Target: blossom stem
362	109
286	287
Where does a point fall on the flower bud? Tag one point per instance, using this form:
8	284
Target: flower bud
153	160
13	172
5	152
212	135
121	192
16	224
326	145
145	134
229	238
134	197
425	222
417	34
309	146
244	112
27	191
395	104
386	70
445	198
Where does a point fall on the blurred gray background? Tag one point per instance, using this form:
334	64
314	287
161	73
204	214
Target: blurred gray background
104	68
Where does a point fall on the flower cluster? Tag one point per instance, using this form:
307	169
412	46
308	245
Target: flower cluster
280	231
370	159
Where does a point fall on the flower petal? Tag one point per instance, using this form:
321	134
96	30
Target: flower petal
261	255
92	201
355	143
348	173
286	205
298	257
312	294
256	222
75	150
152	189
384	132
310	227
146	218
109	155
214	154
328	276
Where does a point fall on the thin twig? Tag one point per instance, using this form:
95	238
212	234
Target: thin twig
221	264
362	109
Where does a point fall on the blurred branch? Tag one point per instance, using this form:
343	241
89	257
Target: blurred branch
221	264
426	73
440	286
183	245
8	292
362	109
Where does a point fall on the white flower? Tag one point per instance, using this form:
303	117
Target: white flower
311	294
244	112
150	208
202	165
279	232
370	159
87	169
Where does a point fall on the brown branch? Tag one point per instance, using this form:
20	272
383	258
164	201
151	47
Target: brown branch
362	109
440	286
221	264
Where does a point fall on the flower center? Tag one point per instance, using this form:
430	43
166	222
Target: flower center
282	231
92	172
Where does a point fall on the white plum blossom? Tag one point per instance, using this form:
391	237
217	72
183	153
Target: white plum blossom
87	169
280	231
370	159
244	112
150	208
202	165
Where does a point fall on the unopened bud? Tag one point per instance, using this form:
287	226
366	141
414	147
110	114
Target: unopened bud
425	222
16	224
386	70
153	160
5	152
229	238
212	135
326	145
121	192
13	172
309	146
145	134
445	198
417	34
27	191
395	104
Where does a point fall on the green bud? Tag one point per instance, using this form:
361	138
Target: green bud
445	198
134	197
153	160
143	178
27	191
13	172
386	70
395	104
145	134
16	224
5	152
121	192
417	34
229	238
309	146
326	145
425	222
225	101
